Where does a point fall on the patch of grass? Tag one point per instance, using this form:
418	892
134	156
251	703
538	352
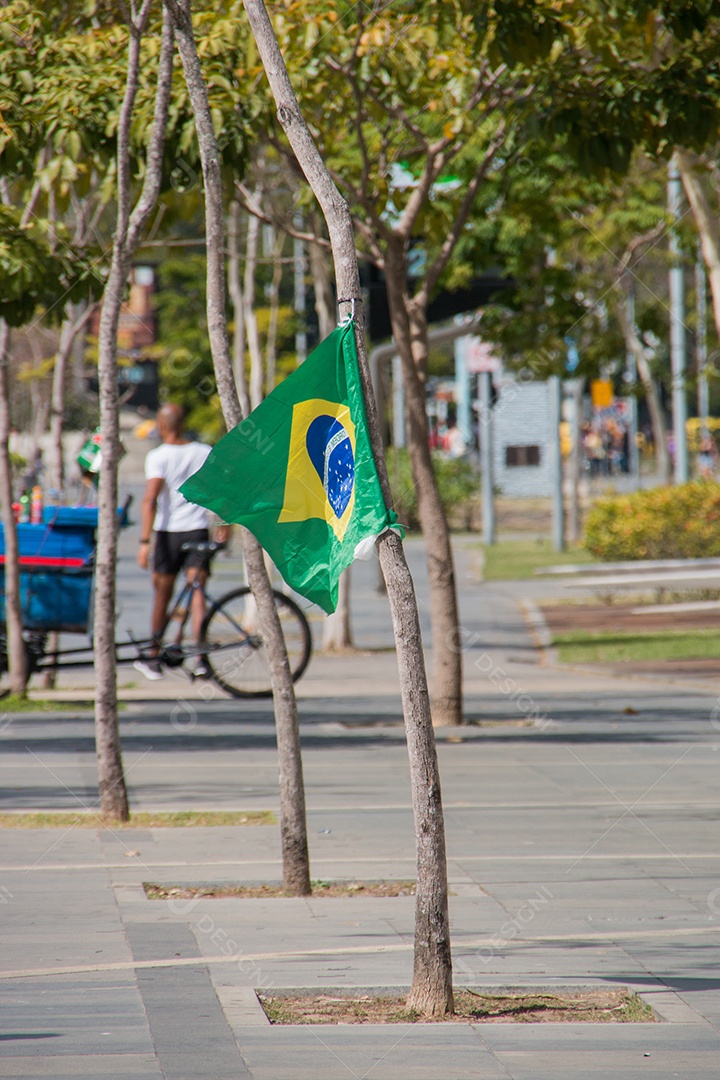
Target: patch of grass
635	1011
513	560
591	1007
142	820
16	703
209	891
502	722
277	1011
581	647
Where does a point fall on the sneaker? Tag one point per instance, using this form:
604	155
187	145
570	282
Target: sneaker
201	671
150	667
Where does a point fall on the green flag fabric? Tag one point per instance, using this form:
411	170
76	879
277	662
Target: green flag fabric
299	472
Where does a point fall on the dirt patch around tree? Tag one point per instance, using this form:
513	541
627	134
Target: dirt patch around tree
226	891
619	1006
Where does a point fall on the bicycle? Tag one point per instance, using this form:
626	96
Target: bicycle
230	643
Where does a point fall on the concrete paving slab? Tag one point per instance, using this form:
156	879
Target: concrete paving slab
605	819
190	1034
94	1066
392	1052
560	1051
72	1016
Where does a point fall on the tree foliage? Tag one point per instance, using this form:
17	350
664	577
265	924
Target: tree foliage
37	272
613	76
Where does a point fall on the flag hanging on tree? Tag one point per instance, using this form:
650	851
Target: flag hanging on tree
299	472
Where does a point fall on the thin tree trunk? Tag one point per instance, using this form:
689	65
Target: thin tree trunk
40	406
113	793
410	337
431	991
111	779
251	327
635	345
573	517
72	324
14	644
274	304
293	829
706	220
78	372
236	299
320	271
56	463
337	630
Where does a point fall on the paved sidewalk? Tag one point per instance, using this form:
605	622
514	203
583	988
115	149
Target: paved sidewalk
582	839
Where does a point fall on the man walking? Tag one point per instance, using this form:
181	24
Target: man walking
175	522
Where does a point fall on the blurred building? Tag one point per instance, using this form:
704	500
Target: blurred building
137	331
522	437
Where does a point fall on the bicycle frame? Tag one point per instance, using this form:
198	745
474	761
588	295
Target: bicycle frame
173	653
180	611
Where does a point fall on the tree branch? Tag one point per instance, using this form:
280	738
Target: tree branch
136	28
253	207
435	270
706	221
441	152
156	145
35	193
638	242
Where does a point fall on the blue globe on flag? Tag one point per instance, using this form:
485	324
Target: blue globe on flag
330	450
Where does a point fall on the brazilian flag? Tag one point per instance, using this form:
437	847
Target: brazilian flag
299	472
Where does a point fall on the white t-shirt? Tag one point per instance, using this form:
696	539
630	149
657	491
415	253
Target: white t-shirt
174	463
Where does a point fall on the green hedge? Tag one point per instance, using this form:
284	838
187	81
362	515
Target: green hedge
680	522
458	481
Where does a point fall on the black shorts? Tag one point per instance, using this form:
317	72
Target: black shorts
168	558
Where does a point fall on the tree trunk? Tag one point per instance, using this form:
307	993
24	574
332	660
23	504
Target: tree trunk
706	220
111	780
40	407
14	643
113	793
71	326
293	829
236	299
337	631
251	326
274	305
410	337
56	463
574	471
322	283
431	991
74	321
635	345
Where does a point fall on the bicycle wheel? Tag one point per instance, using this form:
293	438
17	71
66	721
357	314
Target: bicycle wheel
233	648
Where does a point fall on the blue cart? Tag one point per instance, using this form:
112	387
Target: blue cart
57	563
